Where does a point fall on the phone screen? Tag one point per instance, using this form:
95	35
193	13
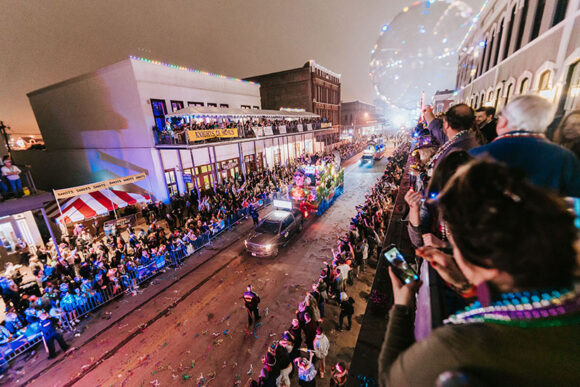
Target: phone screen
400	266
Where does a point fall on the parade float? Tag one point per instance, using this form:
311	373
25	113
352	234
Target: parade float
317	186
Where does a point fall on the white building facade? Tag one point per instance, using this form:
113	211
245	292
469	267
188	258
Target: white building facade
101	125
519	47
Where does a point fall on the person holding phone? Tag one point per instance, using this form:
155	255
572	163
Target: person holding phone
515	243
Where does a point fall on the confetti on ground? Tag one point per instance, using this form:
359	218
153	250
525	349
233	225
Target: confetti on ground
186	377
255	329
226	332
251	369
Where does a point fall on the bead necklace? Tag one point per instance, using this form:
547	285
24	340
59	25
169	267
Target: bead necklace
519	133
526	309
442	149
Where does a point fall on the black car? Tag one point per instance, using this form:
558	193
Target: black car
273	232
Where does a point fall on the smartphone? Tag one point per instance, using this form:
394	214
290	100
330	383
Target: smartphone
401	268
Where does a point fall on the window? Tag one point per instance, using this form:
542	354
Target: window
544	83
489	54
490	96
171	182
510	31
573	94
524	86
560	11
159	112
509	93
209	104
195	103
538	19
256	107
287	222
497	98
496	59
246	107
522	27
176	105
224	105
188	179
482	62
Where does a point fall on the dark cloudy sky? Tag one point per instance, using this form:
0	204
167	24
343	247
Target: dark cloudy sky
46	41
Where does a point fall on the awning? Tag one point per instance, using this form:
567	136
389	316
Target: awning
92	204
206	111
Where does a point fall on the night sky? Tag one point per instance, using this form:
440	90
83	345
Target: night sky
47	41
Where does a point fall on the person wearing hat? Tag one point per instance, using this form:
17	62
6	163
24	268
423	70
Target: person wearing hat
339	375
306	371
251	300
50	334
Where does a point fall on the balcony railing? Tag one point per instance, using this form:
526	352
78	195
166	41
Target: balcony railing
212	135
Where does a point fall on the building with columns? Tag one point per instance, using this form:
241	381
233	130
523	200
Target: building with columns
519	47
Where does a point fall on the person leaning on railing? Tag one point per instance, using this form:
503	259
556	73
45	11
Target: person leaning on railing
515	243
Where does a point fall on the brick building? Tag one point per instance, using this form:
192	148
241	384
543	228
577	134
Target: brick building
311	87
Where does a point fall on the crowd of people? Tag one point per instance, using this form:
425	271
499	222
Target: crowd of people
349	149
88	269
487	212
177	128
304	346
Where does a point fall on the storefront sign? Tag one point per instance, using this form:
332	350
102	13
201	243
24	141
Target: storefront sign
124	222
88	188
187	178
282	128
200	135
308	126
300	127
268	131
326	125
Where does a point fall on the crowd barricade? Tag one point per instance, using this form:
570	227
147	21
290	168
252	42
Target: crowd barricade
89	301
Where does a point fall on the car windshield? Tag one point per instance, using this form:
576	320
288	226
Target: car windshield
268	227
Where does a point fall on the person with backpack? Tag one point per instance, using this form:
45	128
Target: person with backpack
346	310
252	300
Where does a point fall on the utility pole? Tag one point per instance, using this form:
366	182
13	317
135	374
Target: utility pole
4	132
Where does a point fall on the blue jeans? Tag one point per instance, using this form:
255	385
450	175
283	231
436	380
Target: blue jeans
3	188
15	185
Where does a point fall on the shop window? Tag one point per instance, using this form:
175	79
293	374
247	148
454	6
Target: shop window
176	105
204	176
256	107
524	86
195	103
171	182
210	104
188	179
224	105
159	112
544	81
7	236
246	107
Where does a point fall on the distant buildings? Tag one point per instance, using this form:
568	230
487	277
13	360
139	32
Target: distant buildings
520	47
360	118
442	100
311	87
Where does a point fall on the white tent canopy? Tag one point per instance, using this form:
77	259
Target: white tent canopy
205	111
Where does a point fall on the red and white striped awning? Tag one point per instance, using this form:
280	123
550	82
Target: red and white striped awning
92	204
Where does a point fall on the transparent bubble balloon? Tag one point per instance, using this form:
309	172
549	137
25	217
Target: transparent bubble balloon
417	51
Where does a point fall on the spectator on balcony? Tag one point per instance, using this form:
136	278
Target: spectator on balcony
486	122
521	144
12	173
515	243
568	132
457	125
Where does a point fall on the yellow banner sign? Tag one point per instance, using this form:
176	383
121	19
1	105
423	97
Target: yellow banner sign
200	135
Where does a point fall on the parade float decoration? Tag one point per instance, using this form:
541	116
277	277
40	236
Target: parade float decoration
317	186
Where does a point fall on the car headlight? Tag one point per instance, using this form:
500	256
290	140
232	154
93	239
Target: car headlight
268	247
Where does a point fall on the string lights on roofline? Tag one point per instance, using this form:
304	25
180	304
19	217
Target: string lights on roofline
183	68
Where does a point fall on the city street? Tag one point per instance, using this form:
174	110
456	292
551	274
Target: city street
191	322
